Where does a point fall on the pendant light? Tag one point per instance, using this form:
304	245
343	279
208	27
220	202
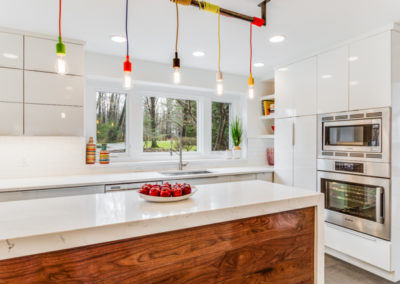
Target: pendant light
176	62
127	80
251	79
220	84
61	64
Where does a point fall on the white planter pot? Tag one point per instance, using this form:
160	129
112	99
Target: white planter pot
237	154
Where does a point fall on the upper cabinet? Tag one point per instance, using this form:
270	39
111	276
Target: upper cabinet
296	89
370	72
11	50
40	55
11	85
332	81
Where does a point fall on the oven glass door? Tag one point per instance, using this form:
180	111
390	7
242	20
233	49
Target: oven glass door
363	201
356	135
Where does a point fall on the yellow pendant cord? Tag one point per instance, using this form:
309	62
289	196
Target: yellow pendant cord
177	27
182	2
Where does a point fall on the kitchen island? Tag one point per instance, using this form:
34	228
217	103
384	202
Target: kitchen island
229	232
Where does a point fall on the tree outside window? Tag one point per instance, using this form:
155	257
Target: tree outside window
111	121
220	126
165	119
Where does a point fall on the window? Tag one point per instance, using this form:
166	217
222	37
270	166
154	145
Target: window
111	121
165	119
220	126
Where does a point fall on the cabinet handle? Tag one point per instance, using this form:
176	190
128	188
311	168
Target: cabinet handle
293	134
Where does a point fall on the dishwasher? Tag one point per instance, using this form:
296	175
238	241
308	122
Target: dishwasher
50	192
128	186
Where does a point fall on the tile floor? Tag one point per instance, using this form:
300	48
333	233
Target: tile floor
337	271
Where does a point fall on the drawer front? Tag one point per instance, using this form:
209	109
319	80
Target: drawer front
49	120
243	177
371	250
11	85
46	88
11	122
40	55
11	50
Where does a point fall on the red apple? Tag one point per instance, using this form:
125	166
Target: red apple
154	191
186	189
177	192
165	193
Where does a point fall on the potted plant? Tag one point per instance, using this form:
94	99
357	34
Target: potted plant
236	133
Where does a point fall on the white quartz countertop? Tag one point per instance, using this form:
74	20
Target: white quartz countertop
41	225
17	184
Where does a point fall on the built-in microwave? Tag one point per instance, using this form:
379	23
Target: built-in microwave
356	135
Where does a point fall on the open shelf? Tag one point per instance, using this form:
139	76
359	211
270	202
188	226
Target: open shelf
268	97
265	117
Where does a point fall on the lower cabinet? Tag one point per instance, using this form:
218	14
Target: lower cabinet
11	122
228	178
52	120
296	152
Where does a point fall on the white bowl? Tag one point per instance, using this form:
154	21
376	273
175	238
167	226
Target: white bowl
167	199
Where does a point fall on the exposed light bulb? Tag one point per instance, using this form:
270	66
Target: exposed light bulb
177	75
127	81
251	87
220	84
61	65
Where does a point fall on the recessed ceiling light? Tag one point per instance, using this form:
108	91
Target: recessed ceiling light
283	69
118	39
277	38
198	53
353	58
258	64
326	76
10	55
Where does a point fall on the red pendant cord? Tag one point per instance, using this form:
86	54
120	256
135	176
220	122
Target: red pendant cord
59	21
251	45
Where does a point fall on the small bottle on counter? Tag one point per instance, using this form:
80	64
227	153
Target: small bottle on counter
104	155
90	152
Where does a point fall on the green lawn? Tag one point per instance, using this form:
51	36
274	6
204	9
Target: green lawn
163	146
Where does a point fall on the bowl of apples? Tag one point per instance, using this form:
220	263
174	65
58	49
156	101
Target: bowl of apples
166	192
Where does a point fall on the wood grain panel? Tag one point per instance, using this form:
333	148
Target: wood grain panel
277	248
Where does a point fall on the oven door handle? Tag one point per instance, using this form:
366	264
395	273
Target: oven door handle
379	205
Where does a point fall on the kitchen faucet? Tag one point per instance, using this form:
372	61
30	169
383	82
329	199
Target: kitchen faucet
171	152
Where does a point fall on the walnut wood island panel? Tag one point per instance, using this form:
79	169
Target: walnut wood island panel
276	247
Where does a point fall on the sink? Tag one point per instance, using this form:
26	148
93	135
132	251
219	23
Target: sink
183	173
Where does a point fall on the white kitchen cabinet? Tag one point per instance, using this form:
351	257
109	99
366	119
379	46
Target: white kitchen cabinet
296	152
52	120
370	72
40	55
11	122
283	168
11	50
296	89
11	85
333	81
57	89
305	152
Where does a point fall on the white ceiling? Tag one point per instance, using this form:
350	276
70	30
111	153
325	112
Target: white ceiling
309	25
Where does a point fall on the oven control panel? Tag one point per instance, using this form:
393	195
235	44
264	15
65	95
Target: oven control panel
349	167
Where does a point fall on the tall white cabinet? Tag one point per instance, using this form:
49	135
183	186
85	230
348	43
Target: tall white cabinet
34	100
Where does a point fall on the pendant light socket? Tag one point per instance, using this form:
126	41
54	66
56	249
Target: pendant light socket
176	62
251	81
60	47
127	65
219	76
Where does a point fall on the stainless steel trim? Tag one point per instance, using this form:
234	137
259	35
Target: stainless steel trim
384	149
379	205
379	230
294	134
126	186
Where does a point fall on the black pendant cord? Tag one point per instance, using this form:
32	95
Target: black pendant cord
126	28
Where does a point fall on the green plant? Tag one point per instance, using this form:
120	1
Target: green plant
236	131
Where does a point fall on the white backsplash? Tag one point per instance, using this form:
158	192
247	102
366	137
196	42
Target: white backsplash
257	150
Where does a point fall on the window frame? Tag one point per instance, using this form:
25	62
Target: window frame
135	111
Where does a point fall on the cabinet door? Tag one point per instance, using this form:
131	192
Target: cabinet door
370	72
11	84
333	81
283	169
11	122
46	88
40	55
51	120
305	152
305	87
283	93
11	50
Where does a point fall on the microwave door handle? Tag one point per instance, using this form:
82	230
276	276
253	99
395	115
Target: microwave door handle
379	206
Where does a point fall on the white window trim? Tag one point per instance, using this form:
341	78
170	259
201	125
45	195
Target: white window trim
134	124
